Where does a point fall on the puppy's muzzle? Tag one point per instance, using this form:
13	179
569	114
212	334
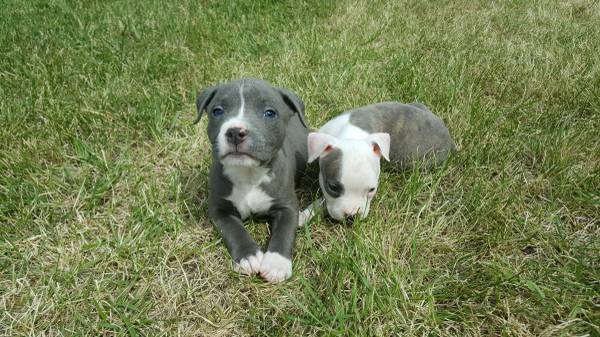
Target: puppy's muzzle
236	136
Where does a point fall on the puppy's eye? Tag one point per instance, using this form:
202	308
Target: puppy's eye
333	187
372	189
218	111
270	114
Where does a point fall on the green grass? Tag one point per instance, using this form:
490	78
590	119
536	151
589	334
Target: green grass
103	215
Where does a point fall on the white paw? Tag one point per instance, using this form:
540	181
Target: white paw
310	211
275	267
304	216
250	264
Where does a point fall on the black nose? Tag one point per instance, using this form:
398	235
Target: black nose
236	135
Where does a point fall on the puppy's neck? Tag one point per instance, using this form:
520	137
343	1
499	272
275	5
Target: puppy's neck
247	175
352	132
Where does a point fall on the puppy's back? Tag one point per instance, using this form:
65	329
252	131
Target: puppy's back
415	132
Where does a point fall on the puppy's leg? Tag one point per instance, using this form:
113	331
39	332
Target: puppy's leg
277	262
244	251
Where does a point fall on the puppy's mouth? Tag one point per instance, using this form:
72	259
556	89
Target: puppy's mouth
237	154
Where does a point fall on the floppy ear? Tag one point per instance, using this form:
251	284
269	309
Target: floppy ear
295	103
319	144
381	144
202	101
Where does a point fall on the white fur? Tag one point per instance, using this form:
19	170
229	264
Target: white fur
242	105
317	142
235	122
360	165
383	142
250	264
247	196
239	160
360	171
340	127
309	212
275	267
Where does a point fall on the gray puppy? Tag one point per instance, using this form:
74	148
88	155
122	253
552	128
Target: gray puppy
349	148
258	136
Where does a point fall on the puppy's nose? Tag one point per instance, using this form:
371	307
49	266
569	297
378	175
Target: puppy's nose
236	135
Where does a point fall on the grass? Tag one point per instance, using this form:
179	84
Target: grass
103	213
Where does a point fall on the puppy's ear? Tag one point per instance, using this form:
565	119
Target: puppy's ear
295	103
381	144
319	144
202	101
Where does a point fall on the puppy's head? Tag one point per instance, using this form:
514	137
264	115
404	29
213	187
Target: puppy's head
349	171
248	119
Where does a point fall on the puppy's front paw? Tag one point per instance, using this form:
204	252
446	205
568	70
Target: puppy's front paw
275	267
304	216
310	212
250	264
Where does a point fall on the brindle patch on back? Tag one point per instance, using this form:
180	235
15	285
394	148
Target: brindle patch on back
415	132
331	170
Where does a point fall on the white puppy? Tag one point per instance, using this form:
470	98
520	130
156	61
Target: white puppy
350	146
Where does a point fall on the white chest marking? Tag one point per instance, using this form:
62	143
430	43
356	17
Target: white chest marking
247	196
341	127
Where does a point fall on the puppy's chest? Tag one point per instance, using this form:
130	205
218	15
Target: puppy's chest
246	195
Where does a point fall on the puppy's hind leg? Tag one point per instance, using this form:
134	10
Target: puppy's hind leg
419	105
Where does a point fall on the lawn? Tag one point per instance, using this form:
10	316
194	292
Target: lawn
103	185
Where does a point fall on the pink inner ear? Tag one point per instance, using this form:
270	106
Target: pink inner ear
376	149
327	148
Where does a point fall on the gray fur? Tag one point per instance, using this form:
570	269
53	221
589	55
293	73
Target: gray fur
279	145
415	132
330	166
